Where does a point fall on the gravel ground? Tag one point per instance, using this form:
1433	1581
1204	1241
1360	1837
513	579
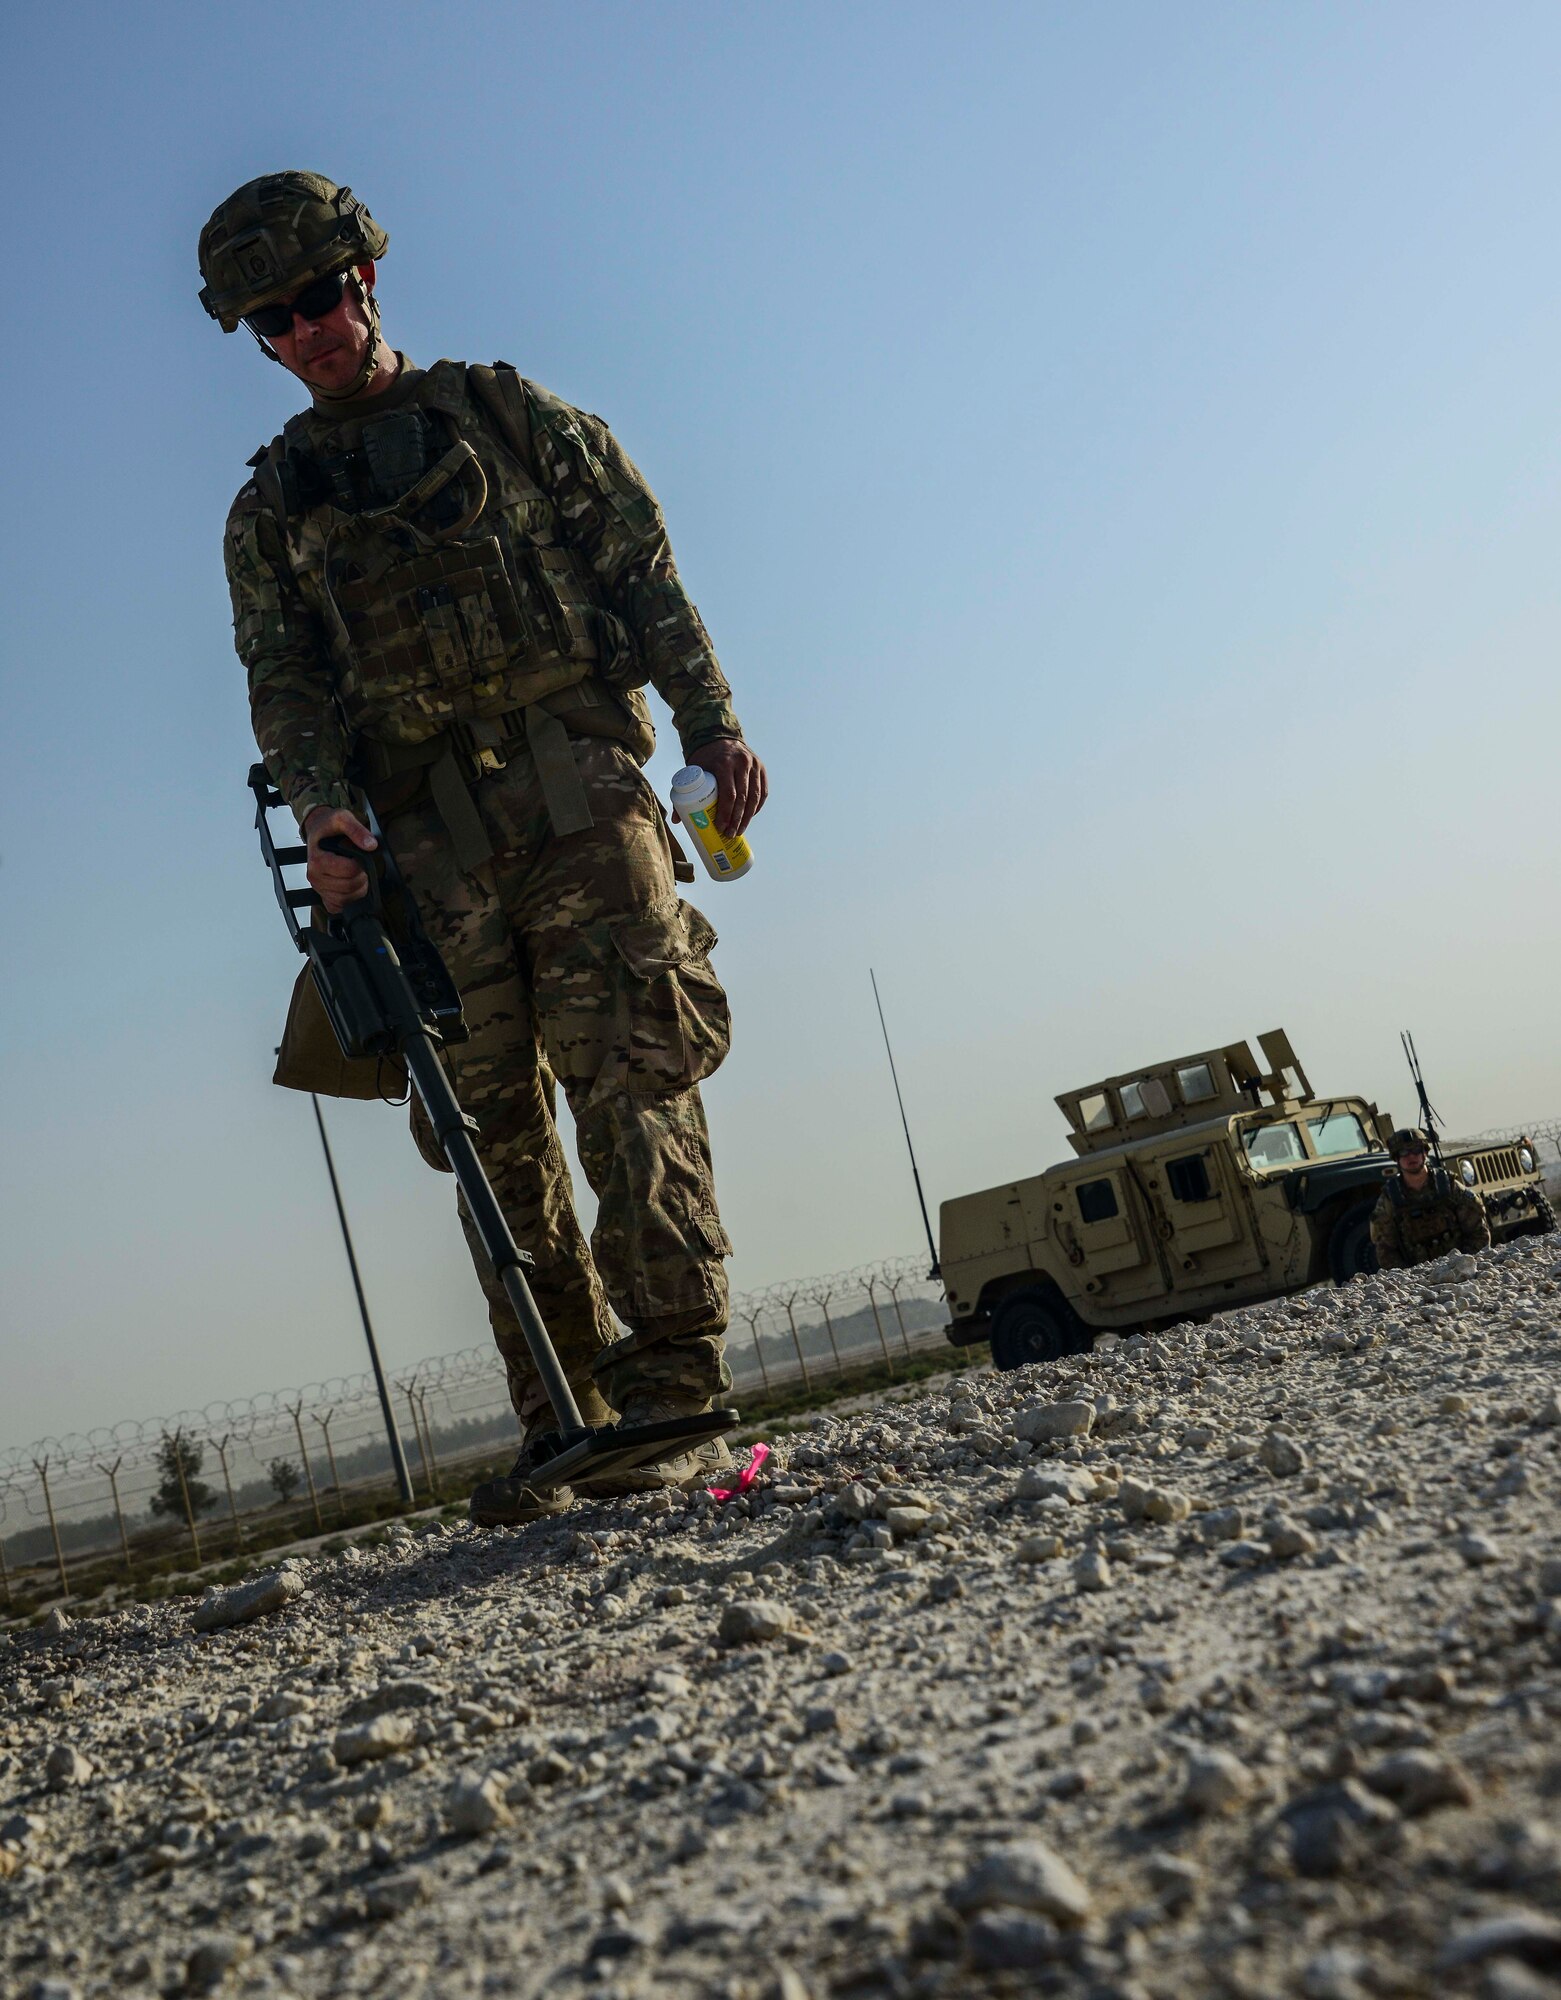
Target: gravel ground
1221	1662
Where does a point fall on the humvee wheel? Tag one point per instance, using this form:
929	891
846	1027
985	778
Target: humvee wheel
1544	1222
1351	1252
1035	1326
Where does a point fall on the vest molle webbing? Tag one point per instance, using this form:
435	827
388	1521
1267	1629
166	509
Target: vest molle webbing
439	629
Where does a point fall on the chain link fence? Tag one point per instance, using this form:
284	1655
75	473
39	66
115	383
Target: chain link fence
135	1498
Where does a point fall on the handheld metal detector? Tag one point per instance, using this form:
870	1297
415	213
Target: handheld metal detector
395	997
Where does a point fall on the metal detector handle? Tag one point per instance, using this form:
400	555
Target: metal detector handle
338	844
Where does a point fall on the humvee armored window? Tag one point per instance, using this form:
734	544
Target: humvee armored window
1188	1178
1273	1145
1337	1132
1147	1098
1216	1179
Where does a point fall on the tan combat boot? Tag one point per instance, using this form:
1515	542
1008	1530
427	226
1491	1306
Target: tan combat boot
509	1500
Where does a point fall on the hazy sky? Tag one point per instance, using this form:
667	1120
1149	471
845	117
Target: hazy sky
1114	449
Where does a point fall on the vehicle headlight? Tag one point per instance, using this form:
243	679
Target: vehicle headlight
1466	1172
1525	1159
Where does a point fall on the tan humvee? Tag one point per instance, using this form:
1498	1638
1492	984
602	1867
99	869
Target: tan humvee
1200	1184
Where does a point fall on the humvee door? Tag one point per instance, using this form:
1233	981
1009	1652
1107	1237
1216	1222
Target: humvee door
1107	1235
1204	1220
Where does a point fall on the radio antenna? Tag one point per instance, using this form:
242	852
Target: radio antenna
932	1248
1427	1115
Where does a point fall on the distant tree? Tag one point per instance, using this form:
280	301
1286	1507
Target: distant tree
285	1477
178	1452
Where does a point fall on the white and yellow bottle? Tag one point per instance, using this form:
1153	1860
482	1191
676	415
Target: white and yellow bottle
693	800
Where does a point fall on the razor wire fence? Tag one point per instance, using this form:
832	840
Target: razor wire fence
133	1499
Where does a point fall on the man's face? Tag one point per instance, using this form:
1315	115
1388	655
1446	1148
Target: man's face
1412	1165
327	353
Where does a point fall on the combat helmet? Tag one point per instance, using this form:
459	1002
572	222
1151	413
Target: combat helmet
1406	1139
268	240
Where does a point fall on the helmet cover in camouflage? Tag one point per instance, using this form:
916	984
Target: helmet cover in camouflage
277	234
1408	1139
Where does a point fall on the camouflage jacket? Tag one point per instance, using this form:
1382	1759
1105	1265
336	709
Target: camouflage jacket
1411	1228
488	581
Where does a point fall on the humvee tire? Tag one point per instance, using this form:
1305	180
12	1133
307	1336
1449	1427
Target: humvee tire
1351	1252
1544	1222
1036	1325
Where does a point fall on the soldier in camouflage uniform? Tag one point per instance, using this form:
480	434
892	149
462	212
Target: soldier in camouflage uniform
448	590
1422	1211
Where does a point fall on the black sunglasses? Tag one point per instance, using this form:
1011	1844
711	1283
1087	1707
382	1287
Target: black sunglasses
319	297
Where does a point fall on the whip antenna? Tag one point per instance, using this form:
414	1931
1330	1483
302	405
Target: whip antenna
937	1270
1427	1115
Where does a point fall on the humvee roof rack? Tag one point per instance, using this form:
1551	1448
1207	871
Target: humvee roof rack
1187	1090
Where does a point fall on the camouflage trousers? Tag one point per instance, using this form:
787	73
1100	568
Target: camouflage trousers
576	960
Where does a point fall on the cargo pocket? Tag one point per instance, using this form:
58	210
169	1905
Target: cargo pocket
673	1016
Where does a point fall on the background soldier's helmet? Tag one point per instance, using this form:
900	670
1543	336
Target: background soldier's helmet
276	234
1408	1138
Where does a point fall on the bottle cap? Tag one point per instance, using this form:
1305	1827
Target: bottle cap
693	785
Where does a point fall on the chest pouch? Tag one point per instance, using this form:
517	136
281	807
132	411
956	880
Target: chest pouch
396	449
425	607
567	598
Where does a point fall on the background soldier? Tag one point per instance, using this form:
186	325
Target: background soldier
448	589
1422	1211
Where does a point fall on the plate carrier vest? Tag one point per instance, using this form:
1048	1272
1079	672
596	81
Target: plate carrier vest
494	635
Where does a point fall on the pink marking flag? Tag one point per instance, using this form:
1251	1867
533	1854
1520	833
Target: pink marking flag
746	1477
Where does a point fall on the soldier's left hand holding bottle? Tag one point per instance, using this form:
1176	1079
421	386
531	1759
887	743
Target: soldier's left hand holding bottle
742	782
337	882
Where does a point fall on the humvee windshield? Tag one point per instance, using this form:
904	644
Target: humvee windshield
1273	1145
1333	1133
1337	1132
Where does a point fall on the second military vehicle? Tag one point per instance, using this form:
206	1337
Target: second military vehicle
1202	1183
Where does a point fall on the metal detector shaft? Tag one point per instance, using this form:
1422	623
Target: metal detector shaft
453	1129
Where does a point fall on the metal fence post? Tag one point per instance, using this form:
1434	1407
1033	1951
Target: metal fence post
753	1319
325	1428
872	1300
177	1442
295	1411
41	1467
892	1286
111	1474
222	1453
408	1390
790	1301
5	1573
796	1341
428	1433
820	1296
